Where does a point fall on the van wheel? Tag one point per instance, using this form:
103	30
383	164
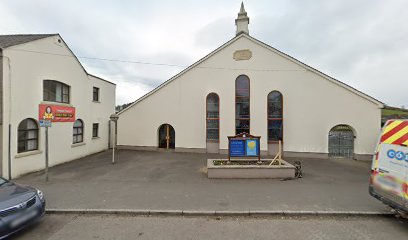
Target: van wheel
401	214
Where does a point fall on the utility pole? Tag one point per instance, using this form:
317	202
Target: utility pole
114	118
46	153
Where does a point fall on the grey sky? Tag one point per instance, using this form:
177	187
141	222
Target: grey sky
363	43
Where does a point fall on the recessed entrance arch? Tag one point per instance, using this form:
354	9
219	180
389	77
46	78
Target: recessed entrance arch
341	142
167	137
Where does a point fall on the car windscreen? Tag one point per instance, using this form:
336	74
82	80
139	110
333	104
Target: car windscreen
2	181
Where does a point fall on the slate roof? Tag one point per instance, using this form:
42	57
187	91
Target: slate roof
12	40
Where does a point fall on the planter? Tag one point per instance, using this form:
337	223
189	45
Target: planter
286	170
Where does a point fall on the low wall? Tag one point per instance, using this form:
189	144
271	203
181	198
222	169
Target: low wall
286	170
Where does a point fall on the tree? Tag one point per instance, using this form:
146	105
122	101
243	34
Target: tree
119	108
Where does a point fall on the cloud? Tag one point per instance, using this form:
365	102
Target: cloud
215	33
361	42
126	92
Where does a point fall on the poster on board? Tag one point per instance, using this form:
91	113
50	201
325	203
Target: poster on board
56	113
252	147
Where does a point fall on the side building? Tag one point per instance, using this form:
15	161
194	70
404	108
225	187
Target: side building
41	78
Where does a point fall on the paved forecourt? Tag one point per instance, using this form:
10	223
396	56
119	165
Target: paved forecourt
143	180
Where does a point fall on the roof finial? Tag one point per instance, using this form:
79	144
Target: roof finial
242	21
242	8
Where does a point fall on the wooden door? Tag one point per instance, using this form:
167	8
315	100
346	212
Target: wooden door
167	137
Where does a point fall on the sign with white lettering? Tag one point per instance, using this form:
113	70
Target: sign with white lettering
237	148
56	113
45	123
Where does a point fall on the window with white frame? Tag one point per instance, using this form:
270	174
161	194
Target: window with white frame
27	135
55	91
95	96
95	130
78	131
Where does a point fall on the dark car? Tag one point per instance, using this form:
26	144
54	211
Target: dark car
20	206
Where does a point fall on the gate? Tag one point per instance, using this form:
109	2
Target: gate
341	142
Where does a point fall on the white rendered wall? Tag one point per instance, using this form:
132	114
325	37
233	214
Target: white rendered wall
28	70
312	104
1	146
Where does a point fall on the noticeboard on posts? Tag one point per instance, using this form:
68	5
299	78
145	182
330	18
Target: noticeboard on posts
244	145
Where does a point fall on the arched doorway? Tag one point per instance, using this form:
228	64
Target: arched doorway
167	137
341	142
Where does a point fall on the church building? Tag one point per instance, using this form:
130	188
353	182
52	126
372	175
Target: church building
246	85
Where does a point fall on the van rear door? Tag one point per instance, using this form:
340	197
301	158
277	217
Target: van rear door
390	165
405	186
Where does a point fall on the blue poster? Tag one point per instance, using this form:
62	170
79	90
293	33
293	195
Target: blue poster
252	147
237	148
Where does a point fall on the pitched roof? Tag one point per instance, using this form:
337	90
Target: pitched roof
12	40
181	73
101	79
327	77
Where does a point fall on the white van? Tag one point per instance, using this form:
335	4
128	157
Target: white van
389	170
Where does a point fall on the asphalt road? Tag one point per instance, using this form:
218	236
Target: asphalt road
57	226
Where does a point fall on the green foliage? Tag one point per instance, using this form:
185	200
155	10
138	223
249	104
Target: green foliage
387	111
243	163
121	107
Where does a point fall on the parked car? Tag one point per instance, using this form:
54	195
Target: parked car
20	206
389	171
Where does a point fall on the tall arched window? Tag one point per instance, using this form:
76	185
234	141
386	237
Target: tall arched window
213	117
78	133
27	135
275	116
242	109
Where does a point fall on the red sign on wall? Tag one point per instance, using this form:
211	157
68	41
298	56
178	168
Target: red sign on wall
56	113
